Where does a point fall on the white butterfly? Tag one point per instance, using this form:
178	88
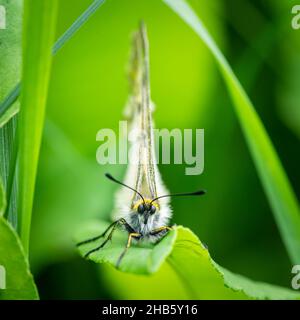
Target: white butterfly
142	207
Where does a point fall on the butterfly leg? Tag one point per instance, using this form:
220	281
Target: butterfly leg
97	237
159	230
112	228
131	235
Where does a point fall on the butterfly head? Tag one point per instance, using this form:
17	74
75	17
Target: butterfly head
146	208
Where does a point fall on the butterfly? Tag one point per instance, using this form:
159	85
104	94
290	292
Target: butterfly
143	204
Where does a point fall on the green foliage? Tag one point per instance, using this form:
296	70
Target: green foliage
273	177
71	185
140	260
38	36
39	30
10	55
10	65
19	281
10	106
70	201
185	255
9	113
76	25
71	188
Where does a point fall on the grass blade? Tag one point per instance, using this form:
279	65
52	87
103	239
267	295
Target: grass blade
8	101
272	175
7	166
38	34
78	23
2	198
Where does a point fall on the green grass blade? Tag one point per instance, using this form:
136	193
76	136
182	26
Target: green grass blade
2	198
7	106
38	34
19	280
188	262
7	166
272	175
78	23
11	212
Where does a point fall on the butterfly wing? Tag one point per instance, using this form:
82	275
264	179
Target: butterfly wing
142	172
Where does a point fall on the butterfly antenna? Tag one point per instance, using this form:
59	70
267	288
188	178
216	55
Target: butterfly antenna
195	193
110	177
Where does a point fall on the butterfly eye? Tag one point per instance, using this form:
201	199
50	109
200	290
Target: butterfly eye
152	209
141	208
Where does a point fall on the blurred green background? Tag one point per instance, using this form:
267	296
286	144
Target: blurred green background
88	91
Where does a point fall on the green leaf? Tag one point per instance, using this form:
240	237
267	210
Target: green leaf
10	106
277	187
149	259
10	54
187	261
19	281
38	35
188	245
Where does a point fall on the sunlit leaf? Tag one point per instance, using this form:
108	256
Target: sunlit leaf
185	256
141	260
19	282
